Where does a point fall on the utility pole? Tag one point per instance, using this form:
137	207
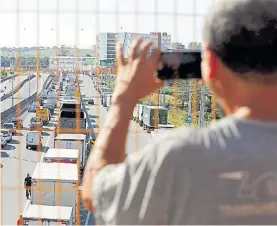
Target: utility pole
12	90
202	107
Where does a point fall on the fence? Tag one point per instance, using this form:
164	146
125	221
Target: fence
68	28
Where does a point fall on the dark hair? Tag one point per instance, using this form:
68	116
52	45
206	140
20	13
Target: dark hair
243	34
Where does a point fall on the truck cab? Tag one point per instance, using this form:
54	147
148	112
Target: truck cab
34	140
44	114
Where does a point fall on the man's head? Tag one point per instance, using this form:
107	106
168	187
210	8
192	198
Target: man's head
28	175
240	50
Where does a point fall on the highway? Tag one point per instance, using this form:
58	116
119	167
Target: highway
10	85
18	161
137	137
23	93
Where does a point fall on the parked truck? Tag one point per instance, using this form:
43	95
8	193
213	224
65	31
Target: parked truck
150	122
137	113
72	118
49	104
47	215
61	155
107	99
140	114
72	141
54	194
44	114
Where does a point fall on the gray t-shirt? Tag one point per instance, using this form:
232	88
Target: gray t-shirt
223	174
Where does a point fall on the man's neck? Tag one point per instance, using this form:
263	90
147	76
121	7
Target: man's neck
255	112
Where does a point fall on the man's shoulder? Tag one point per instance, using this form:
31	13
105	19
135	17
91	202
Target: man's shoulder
194	141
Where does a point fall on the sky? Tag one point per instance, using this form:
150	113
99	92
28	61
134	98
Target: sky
76	22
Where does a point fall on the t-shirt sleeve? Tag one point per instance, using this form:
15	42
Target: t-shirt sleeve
130	193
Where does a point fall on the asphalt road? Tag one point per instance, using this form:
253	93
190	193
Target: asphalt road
137	137
18	161
23	93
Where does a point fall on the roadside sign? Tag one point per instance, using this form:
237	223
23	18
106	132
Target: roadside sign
189	119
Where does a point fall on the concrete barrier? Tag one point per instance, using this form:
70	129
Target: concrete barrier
8	78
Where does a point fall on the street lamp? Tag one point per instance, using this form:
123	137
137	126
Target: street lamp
29	78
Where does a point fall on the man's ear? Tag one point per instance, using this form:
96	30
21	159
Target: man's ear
210	66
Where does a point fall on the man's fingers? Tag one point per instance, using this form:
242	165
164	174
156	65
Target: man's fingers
155	58
144	50
134	49
119	54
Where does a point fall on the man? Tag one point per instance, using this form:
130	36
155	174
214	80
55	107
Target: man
28	185
223	174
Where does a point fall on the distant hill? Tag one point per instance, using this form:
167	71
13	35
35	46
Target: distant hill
51	52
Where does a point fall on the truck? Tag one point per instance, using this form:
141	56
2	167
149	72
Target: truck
47	215
140	114
61	155
44	114
72	141
49	104
72	117
149	120
137	112
54	190
103	97
43	93
107	99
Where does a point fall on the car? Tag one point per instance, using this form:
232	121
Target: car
3	140
7	134
94	125
91	101
18	123
10	127
34	140
32	107
35	126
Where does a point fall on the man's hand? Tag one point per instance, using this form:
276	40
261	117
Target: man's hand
135	77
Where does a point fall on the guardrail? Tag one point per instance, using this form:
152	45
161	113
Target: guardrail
23	105
90	220
7	78
17	88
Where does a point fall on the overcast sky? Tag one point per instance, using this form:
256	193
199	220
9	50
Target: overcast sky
34	22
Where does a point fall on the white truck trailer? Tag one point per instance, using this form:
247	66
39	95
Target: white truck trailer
54	194
72	141
61	155
47	215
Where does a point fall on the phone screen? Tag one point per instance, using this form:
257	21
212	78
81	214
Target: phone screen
180	65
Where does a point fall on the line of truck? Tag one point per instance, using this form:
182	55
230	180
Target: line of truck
153	119
55	182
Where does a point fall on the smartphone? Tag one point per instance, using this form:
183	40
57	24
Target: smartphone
180	65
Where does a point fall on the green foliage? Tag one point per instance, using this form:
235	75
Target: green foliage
177	117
